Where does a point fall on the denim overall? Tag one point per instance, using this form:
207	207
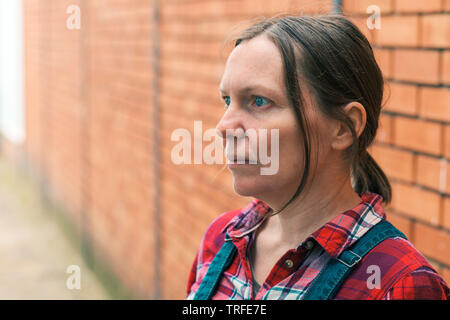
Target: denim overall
326	283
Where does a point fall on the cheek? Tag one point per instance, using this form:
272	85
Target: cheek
293	155
290	154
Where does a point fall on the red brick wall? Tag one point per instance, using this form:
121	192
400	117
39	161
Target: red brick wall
121	136
413	49
89	124
100	134
52	102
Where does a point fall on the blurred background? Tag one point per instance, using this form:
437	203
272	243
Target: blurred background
90	93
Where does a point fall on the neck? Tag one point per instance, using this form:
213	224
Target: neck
312	209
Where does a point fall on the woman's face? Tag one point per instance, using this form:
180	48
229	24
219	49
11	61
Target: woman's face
255	97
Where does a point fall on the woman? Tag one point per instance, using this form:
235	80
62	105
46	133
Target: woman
317	228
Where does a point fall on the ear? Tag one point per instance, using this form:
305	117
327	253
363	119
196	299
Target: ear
342	136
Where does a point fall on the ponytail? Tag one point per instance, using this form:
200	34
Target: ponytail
368	176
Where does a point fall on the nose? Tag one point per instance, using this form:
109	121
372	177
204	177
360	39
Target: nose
232	122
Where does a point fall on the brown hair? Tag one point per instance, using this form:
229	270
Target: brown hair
335	60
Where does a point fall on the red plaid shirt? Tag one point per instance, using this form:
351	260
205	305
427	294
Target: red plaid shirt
403	272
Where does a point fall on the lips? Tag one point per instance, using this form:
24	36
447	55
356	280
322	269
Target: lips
235	159
239	160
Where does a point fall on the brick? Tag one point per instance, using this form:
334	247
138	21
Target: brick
384	60
418	135
193	10
431	172
447	141
402	99
384	132
361	23
417	5
303	7
435	103
446	213
401	223
445	77
436	265
435	31
445	273
416	203
398	31
433	242
360	6
445	171
421	66
395	163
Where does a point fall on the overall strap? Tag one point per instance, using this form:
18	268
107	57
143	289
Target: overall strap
332	275
220	262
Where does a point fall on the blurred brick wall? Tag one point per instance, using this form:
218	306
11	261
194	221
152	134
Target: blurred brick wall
88	124
413	144
119	38
98	134
53	104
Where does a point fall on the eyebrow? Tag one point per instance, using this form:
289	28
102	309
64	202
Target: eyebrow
254	87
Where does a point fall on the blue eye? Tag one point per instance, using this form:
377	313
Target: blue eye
227	101
259	101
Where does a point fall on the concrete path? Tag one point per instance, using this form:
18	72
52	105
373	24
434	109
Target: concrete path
34	251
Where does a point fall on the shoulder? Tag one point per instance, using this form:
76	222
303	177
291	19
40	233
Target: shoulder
217	227
212	241
420	284
413	277
394	265
396	254
214	236
235	222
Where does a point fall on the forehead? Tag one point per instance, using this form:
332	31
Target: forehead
253	62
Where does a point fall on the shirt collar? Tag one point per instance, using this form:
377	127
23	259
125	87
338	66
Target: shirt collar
335	236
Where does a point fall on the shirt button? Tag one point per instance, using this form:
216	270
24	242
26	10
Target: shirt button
309	245
289	263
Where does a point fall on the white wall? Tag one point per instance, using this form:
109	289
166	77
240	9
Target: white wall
11	70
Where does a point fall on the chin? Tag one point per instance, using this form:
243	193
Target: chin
249	186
